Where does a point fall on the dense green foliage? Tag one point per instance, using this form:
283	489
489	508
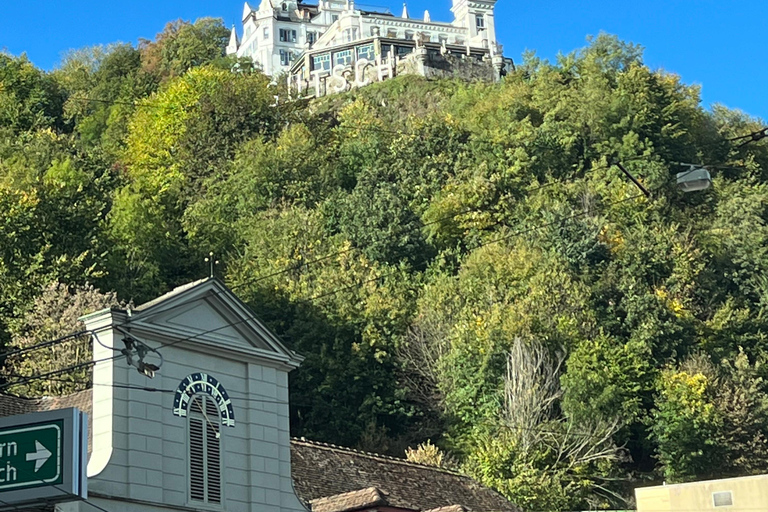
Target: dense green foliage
458	262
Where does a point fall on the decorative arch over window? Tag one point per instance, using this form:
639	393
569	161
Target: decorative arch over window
207	384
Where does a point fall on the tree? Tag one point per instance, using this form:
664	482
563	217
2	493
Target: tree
176	140
29	99
183	45
54	314
532	458
704	412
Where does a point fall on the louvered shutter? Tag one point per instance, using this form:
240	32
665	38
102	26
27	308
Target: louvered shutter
204	451
196	458
213	453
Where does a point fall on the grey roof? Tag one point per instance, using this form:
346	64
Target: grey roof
171	294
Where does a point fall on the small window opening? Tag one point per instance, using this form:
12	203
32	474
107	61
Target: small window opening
722	499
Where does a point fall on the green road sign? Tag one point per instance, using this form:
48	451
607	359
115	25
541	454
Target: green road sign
43	458
31	455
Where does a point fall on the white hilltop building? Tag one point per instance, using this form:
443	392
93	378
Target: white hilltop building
334	45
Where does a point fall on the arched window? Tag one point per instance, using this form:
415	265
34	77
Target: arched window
204	450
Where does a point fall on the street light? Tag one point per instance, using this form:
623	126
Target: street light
693	180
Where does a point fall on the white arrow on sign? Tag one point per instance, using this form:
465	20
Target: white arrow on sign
40	456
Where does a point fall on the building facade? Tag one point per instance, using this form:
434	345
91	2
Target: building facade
336	41
217	437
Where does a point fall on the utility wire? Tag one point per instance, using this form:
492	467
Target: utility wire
78	366
259	278
311	299
325	258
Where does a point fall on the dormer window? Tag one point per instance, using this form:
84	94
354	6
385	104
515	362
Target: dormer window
480	21
284	7
204	439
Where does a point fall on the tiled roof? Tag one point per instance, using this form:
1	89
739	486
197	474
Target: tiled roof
12	405
322	470
345	502
335	479
452	508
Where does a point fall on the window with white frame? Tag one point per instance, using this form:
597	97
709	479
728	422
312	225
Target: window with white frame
266	32
285	57
343	57
480	21
287	35
204	436
334	18
322	61
311	38
366	52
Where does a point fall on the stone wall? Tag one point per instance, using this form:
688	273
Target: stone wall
431	64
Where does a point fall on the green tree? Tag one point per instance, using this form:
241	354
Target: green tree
54	314
29	98
182	46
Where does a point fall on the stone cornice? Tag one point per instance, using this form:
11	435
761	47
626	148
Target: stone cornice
481	5
416	24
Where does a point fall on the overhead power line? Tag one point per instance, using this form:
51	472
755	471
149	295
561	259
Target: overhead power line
291	268
310	299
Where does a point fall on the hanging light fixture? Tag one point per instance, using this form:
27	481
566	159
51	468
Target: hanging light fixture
694	179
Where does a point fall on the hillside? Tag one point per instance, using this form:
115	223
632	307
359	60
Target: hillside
459	262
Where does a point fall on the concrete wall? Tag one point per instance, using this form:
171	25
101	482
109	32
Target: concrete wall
748	494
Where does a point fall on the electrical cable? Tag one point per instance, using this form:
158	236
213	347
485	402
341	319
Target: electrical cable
257	279
326	294
52	373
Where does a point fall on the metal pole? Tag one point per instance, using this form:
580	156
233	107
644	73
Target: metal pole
634	180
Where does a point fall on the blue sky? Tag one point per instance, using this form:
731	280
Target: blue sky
719	45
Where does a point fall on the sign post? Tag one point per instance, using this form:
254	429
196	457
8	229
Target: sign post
43	457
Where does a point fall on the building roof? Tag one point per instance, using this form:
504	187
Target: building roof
322	471
176	291
331	478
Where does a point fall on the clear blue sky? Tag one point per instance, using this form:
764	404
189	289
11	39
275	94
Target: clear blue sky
720	45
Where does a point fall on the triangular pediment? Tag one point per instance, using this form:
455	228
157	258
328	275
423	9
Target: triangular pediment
208	313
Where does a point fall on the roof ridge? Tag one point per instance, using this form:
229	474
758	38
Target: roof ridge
379	456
